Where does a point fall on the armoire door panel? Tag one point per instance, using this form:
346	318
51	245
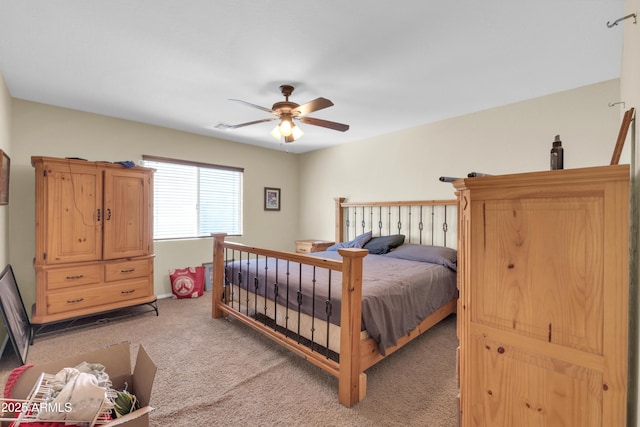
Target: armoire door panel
126	214
544	287
74	226
537	269
509	387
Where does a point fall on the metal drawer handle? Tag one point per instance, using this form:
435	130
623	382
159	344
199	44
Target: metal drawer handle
80	276
73	301
131	270
127	292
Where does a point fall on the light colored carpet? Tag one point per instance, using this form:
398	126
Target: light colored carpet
215	372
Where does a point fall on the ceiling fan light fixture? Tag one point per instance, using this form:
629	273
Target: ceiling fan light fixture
285	127
296	132
276	132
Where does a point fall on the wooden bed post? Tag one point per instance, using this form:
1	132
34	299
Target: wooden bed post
351	381
339	218
217	281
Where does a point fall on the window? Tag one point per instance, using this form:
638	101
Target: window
194	199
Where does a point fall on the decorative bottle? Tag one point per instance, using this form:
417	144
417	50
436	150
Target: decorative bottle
557	154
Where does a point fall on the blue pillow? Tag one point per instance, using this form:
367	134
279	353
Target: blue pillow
434	254
358	242
383	244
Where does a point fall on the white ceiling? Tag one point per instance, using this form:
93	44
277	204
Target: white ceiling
386	66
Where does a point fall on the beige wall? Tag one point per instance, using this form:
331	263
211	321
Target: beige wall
406	165
42	130
630	94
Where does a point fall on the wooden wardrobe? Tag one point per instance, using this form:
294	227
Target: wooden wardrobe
94	237
543	308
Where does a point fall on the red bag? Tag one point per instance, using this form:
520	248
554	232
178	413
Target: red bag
187	282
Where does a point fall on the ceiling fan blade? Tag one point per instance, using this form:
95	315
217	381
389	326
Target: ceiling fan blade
289	138
325	123
268	110
226	126
311	106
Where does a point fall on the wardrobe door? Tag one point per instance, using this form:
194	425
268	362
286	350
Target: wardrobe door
68	206
543	278
536	311
127	221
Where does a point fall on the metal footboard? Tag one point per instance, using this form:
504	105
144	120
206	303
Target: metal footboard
351	383
292	298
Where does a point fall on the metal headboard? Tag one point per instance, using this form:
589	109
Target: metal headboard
424	222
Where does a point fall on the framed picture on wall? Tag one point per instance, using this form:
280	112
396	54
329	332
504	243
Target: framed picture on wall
5	163
271	199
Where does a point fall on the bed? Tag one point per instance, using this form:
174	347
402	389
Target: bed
391	277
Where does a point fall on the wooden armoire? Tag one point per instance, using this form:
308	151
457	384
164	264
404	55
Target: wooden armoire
94	238
543	309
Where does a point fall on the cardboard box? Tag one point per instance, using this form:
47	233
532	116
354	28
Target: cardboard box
117	361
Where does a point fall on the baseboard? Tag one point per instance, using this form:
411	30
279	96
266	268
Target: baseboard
164	296
171	295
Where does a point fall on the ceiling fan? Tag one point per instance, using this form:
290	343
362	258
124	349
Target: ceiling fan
287	111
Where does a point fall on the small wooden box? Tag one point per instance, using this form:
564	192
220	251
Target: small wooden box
311	245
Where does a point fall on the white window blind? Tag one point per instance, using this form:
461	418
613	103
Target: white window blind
193	199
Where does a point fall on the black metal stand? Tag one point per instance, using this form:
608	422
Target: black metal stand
92	320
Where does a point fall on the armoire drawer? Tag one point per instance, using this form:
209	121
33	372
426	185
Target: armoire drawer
126	270
130	289
96	295
73	276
